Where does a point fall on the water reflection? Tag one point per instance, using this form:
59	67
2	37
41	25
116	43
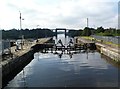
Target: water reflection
70	53
73	72
60	53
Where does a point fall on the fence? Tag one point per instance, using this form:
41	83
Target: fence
115	40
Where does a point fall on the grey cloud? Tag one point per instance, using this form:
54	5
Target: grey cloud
119	14
99	14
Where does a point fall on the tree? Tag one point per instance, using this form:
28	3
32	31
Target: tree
100	29
86	31
74	33
33	33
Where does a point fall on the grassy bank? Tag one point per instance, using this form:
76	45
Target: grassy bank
104	42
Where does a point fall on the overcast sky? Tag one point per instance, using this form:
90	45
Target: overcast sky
58	13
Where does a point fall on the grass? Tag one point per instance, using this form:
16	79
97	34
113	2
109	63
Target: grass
105	42
110	43
88	37
108	34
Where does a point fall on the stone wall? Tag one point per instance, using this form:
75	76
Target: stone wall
113	55
14	64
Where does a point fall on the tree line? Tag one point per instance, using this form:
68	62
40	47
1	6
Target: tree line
41	33
92	31
27	33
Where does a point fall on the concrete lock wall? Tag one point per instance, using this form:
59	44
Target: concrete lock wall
113	55
17	62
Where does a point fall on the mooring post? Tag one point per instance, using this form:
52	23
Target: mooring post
56	33
65	33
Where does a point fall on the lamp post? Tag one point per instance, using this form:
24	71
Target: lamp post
38	26
20	22
87	22
22	37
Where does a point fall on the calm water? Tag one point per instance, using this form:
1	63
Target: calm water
80	70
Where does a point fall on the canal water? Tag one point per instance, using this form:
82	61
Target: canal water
79	70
